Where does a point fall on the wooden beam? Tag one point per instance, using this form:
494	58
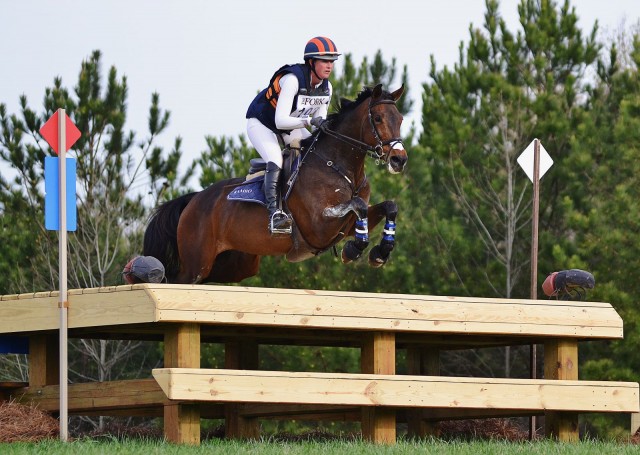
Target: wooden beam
228	386
396	312
241	306
95	397
240	355
561	363
182	350
91	307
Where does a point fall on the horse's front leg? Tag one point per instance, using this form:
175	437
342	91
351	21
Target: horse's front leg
379	254
352	249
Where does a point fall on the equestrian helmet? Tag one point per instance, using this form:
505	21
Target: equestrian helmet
321	48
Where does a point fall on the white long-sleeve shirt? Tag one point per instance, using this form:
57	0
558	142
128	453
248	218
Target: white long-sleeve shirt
285	119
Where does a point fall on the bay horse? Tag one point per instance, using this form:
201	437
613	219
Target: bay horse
203	237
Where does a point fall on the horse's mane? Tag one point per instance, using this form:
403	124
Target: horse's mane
346	106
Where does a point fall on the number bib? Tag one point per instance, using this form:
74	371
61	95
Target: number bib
307	106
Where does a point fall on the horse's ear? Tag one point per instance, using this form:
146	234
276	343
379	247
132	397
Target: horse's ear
398	93
377	91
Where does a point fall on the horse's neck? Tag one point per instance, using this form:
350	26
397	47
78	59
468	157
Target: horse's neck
344	155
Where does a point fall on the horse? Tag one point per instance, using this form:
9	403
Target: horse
204	237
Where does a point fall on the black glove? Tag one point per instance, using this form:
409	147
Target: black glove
317	122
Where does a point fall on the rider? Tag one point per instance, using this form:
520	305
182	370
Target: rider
296	98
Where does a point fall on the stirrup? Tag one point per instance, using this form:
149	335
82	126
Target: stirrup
280	222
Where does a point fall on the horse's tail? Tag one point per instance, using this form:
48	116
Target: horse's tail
161	235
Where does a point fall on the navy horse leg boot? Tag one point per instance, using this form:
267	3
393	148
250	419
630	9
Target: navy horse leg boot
279	221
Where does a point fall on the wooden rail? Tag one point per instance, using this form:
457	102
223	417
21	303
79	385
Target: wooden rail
242	318
245	386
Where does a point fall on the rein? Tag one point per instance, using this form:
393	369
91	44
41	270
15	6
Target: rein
374	151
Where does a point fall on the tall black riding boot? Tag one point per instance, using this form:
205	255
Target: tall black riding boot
279	221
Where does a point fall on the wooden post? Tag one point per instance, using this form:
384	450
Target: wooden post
182	350
533	355
63	303
635	423
561	363
422	362
379	357
44	366
240	355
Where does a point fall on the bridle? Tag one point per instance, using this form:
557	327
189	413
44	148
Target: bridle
374	151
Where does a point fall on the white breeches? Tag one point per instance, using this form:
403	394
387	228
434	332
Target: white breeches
266	143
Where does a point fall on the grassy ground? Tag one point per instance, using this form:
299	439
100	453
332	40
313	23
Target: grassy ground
114	447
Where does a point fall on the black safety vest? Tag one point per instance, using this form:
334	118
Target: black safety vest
306	102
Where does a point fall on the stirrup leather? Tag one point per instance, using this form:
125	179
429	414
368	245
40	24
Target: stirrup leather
280	222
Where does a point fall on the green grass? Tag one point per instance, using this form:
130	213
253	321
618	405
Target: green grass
114	447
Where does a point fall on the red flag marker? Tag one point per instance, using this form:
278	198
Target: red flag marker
49	132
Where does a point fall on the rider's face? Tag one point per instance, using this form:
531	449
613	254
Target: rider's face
323	68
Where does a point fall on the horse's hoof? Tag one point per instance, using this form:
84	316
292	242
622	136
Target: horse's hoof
350	252
344	258
375	257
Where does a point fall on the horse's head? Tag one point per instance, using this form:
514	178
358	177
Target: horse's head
371	124
384	132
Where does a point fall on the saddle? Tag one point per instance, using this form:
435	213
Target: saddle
252	190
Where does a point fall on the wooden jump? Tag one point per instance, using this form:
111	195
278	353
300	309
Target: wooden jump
242	318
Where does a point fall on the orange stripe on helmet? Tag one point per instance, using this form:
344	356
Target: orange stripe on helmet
320	45
332	47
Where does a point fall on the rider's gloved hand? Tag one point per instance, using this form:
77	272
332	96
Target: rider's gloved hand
317	121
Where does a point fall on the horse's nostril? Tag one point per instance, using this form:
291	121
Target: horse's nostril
398	160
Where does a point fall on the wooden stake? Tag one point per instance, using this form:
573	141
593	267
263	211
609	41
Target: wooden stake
534	261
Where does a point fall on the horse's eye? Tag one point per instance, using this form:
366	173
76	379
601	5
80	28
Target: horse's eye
377	118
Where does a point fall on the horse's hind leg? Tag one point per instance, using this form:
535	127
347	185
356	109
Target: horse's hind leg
379	254
233	266
197	254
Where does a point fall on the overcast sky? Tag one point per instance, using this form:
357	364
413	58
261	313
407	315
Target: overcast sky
207	59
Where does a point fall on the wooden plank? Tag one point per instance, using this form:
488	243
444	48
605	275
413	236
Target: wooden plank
385	312
95	396
111	308
306	308
38	312
182	350
28	315
378	357
402	391
274	294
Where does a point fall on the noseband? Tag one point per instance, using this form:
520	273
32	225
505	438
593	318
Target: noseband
374	151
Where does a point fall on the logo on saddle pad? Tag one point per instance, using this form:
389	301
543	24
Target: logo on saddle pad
249	191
